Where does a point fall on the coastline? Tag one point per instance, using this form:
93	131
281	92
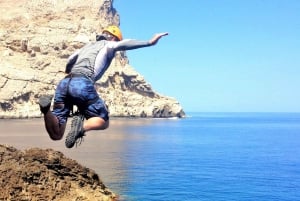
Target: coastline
26	135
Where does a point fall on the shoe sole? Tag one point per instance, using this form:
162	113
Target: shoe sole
76	126
44	101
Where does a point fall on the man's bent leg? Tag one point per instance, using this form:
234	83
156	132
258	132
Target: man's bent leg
54	129
95	123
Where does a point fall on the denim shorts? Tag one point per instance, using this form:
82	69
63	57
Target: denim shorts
79	91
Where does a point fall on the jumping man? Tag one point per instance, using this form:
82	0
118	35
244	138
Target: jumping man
84	68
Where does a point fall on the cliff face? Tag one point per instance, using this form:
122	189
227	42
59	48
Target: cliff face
37	174
36	38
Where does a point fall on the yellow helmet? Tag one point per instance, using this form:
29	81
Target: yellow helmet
114	30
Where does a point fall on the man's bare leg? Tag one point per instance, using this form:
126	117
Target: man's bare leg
53	128
95	123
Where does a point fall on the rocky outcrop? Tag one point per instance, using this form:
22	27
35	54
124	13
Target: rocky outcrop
36	38
37	174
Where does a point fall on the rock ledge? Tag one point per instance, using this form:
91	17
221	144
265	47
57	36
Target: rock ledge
37	174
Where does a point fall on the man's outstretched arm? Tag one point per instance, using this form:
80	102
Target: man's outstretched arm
156	37
129	44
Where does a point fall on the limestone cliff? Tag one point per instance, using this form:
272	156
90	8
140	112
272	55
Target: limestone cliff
36	38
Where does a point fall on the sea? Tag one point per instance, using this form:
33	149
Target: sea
203	157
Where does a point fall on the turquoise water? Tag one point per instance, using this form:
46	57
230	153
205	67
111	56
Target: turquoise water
205	157
210	156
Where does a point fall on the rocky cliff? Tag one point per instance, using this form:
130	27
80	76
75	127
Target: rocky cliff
36	38
36	174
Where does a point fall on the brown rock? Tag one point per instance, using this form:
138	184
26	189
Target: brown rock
37	174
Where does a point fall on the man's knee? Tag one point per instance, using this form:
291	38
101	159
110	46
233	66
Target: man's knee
56	137
56	132
106	124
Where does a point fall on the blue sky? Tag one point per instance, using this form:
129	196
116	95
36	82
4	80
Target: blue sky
220	55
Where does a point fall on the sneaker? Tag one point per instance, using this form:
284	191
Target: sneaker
76	133
45	103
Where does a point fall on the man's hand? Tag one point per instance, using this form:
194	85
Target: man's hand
156	37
